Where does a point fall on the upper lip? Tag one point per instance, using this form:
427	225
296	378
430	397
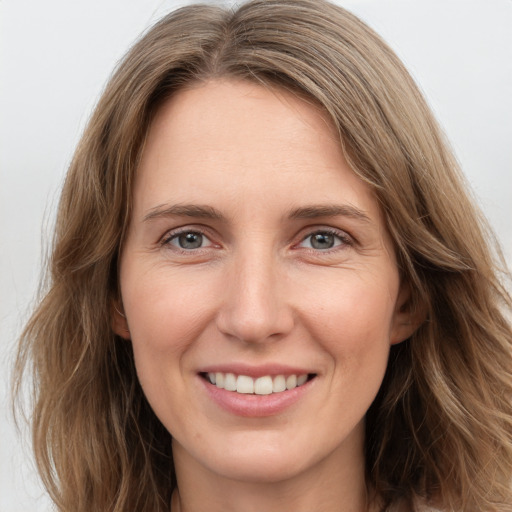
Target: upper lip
255	371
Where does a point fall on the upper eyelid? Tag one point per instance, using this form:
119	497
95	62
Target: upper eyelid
172	236
194	228
311	230
345	242
326	229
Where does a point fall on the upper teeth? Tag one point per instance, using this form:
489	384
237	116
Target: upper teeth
259	386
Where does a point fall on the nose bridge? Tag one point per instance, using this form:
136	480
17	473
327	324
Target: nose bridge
255	307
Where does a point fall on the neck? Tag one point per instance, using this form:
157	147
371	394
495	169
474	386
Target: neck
333	484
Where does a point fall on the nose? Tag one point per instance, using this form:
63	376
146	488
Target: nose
256	306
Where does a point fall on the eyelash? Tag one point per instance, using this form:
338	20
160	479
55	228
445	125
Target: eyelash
345	239
173	235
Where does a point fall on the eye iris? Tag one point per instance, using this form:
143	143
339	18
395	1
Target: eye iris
322	241
190	240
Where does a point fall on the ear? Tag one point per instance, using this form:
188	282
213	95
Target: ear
407	317
118	320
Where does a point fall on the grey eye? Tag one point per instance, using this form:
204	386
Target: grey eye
189	240
322	241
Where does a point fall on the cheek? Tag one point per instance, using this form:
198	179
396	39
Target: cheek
165	318
351	305
352	319
163	309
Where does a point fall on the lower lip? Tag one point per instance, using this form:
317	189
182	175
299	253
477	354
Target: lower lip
253	406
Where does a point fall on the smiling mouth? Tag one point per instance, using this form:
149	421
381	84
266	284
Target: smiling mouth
265	385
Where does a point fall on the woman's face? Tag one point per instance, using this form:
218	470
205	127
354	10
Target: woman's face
256	258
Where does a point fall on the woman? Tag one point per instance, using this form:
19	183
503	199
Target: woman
269	288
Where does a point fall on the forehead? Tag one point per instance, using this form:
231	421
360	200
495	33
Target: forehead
223	140
240	116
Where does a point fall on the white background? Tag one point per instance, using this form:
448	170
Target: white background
56	55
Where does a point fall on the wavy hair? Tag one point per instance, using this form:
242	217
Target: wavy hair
440	429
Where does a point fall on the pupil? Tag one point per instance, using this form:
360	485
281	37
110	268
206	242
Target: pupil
190	240
322	241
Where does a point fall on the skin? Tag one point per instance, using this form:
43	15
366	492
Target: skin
257	292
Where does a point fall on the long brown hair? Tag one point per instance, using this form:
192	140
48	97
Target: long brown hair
441	426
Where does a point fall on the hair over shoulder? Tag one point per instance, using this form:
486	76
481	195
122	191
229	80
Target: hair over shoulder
440	429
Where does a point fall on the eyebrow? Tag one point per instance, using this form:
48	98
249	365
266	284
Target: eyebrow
184	210
315	211
208	212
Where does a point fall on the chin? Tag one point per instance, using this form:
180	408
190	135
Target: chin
260	468
263	457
